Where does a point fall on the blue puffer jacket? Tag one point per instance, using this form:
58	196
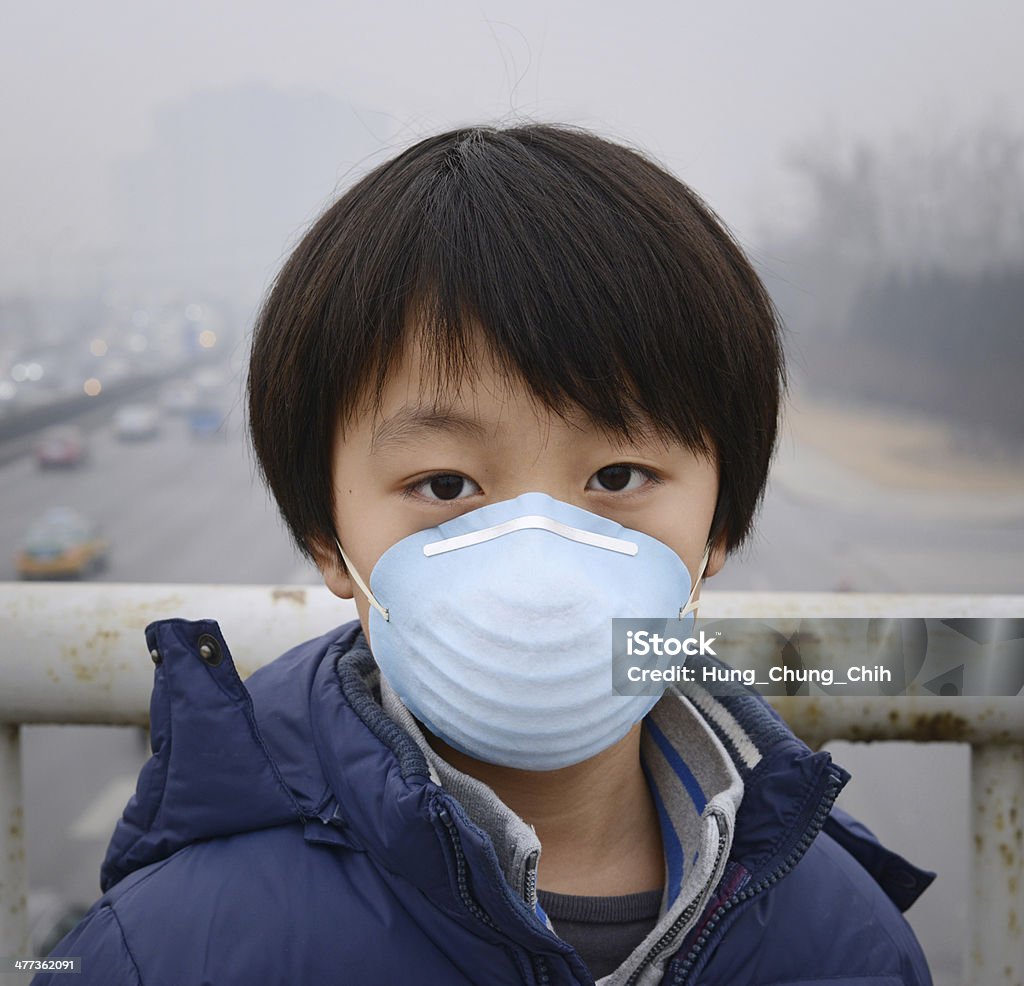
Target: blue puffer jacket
286	831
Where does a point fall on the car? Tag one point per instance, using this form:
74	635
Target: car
50	917
63	447
207	421
179	397
136	421
210	381
62	543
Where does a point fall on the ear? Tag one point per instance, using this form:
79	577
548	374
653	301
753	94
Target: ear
333	570
717	558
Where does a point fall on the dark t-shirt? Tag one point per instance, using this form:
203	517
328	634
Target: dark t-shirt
604	930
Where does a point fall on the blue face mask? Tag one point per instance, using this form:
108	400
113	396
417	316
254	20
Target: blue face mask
495	628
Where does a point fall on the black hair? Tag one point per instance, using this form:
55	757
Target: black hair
599	279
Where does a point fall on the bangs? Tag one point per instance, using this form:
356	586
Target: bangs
452	338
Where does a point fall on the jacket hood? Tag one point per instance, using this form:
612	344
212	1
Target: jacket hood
210	773
305	741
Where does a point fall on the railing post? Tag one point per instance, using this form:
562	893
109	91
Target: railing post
997	934
13	880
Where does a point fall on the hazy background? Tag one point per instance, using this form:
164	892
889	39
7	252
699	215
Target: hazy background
159	162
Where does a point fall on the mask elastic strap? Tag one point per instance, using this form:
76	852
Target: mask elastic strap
362	585
691	604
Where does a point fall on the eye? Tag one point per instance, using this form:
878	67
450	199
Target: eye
443	486
620	478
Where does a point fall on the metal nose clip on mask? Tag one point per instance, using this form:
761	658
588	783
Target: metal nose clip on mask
495	627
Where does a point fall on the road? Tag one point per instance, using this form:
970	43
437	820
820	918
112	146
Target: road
827	527
175	509
180	509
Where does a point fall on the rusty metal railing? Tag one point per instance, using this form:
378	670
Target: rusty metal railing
76	654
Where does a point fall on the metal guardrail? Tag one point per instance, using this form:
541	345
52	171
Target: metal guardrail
76	654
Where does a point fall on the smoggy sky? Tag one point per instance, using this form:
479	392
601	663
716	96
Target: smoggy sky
718	91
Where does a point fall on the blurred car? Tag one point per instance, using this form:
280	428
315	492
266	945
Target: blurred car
136	421
179	397
50	917
61	543
63	446
207	421
210	380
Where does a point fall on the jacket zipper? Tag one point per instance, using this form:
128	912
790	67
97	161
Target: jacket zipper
666	940
540	965
460	869
530	881
832	788
540	970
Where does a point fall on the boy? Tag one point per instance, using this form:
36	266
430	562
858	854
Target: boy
513	384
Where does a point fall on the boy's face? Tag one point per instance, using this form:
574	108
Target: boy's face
419	463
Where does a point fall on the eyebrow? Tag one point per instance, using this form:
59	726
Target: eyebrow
411	421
